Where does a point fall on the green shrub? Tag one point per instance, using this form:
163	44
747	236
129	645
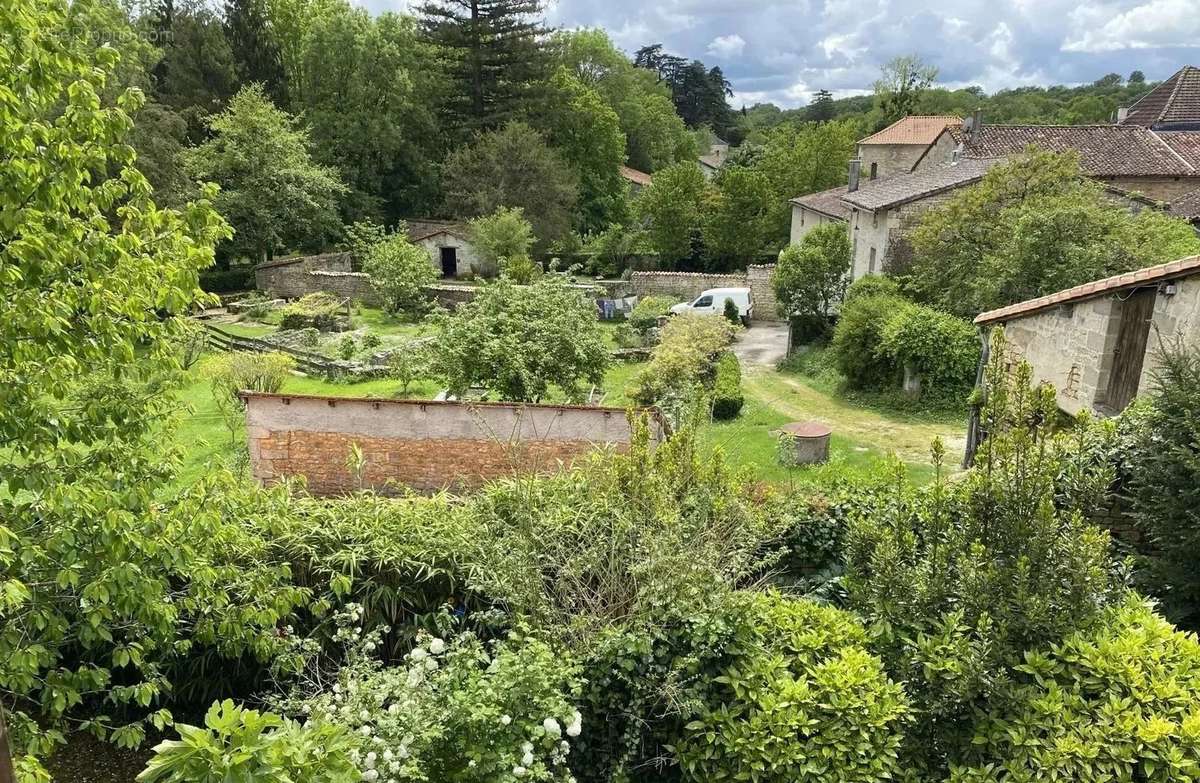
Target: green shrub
941	348
682	362
371	342
727	389
1162	474
1115	702
504	240
647	311
409	362
857	338
731	312
227	281
400	272
802	700
231	373
239	744
319	311
310	337
347	348
871	285
453	710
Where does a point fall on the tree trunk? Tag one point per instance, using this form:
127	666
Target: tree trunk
7	775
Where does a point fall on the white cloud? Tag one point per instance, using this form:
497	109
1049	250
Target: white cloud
727	46
1149	25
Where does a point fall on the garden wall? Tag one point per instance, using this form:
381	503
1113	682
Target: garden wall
689	285
288	278
355	286
422	445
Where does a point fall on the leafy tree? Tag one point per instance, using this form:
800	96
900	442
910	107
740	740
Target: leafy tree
736	223
671	205
521	342
254	48
961	580
655	135
106	577
901	84
197	74
1163	479
513	167
159	138
798	159
1137	77
1032	226
400	272
494	55
272	192
588	134
503	237
368	87
812	275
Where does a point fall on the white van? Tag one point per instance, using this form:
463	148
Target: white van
713	301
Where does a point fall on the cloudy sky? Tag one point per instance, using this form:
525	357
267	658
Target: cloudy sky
783	50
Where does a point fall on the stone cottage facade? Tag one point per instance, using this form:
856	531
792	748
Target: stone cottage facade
448	244
897	148
1096	343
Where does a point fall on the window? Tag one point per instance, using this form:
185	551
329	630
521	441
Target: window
704	301
874	220
874	170
802	217
872	266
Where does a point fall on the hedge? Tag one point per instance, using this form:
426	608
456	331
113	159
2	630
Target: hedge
227	281
727	389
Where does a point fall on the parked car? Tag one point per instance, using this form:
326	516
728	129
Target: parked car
713	301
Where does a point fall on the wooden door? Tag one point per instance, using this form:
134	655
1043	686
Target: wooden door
1130	352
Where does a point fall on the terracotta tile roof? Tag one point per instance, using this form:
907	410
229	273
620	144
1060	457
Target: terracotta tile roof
1187	206
712	161
902	188
635	176
1186	145
916	129
1182	267
827	202
1104	150
1176	101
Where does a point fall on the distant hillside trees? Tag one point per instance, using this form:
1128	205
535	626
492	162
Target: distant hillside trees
700	93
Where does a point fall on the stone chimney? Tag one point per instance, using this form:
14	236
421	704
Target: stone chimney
1122	115
855	173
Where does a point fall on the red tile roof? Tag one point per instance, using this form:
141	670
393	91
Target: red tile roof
1186	145
1177	100
1104	150
1141	277
827	202
635	176
1187	206
916	129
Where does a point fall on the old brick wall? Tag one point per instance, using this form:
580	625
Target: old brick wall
288	278
686	286
355	286
424	446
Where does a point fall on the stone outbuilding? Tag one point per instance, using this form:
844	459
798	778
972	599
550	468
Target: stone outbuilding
449	246
1096	343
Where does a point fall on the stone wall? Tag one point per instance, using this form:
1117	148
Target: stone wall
421	445
288	278
1071	346
687	286
355	286
805	220
889	159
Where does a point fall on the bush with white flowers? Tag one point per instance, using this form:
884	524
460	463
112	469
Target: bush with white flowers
456	709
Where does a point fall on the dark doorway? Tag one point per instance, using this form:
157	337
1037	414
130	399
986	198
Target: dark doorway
449	261
1130	352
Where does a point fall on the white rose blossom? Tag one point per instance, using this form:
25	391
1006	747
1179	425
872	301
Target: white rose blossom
551	726
437	647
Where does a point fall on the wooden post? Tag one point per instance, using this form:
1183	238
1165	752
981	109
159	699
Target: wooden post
7	774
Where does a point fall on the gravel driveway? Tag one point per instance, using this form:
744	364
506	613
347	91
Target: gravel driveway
764	343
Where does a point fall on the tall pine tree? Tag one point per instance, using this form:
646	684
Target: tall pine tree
255	50
494	52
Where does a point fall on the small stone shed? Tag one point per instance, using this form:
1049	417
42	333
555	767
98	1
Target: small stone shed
423	445
1096	342
449	246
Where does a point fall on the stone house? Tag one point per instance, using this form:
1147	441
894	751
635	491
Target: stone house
818	209
1096	342
712	161
449	246
897	148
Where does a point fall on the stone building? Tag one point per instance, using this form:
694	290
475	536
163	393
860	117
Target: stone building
818	209
1174	105
448	244
637	179
1096	342
424	445
897	148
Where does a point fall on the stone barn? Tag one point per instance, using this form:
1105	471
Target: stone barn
1096	343
449	246
423	445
